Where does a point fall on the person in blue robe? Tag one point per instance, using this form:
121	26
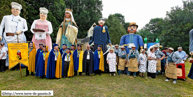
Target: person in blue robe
76	60
37	55
65	63
63	50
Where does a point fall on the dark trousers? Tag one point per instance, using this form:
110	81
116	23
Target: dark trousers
2	65
98	72
66	66
27	72
75	73
16	67
152	75
87	67
163	63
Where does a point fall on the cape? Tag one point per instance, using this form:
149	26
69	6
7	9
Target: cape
36	60
54	68
42	65
98	65
78	60
32	59
91	65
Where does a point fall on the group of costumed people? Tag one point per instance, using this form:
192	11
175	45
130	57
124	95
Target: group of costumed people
67	59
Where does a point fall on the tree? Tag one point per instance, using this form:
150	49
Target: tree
116	29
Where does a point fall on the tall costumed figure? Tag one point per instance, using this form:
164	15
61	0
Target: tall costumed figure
14	25
68	30
101	37
42	28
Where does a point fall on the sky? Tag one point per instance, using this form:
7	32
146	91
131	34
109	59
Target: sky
139	11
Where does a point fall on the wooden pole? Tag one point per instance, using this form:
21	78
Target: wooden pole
20	69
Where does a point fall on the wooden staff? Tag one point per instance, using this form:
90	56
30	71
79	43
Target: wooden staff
19	62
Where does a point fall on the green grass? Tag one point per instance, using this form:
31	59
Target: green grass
104	85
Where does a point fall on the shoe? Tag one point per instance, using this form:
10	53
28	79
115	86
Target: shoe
128	74
174	82
166	80
114	74
134	76
110	74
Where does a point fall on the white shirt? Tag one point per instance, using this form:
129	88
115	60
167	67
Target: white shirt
13	24
6	49
2	51
65	59
88	55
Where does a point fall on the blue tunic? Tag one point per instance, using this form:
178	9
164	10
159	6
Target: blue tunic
51	66
96	60
131	38
41	65
99	37
76	60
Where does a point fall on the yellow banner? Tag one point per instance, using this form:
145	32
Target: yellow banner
18	53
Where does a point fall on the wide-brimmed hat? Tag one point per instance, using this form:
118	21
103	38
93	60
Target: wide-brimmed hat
122	47
111	49
133	24
170	48
116	45
133	45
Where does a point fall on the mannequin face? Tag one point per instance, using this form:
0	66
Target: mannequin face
43	16
132	29
15	11
101	22
67	15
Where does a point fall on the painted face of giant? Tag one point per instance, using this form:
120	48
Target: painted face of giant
132	29
101	22
15	11
67	15
43	16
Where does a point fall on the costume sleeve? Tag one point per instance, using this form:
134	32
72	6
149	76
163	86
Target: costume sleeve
161	53
108	36
122	41
25	26
92	39
33	26
2	26
140	41
50	28
107	57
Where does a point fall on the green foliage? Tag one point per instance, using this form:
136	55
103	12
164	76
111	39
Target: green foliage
173	30
116	28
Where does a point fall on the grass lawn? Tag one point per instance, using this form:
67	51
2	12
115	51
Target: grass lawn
104	85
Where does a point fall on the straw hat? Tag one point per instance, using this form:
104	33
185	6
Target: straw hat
171	49
111	49
122	47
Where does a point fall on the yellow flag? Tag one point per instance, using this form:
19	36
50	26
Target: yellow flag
18	53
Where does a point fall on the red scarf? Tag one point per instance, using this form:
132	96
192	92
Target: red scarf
100	25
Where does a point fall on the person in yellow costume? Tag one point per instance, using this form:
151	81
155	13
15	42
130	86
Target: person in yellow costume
68	30
42	63
32	57
78	60
98	61
54	66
